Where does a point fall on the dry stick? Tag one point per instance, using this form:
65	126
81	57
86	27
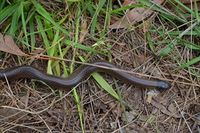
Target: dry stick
46	57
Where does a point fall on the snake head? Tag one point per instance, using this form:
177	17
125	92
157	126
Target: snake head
163	85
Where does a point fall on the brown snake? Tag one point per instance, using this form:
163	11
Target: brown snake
80	74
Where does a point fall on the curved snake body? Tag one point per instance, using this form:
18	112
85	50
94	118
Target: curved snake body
80	74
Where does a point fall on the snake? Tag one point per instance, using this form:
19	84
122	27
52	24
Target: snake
81	73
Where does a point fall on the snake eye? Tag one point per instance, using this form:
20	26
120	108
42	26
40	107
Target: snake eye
164	85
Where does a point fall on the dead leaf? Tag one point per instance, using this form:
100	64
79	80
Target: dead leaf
172	108
164	110
9	114
38	51
8	45
129	116
84	30
129	2
134	16
151	94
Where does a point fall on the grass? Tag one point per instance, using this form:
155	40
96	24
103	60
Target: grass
51	33
36	24
175	36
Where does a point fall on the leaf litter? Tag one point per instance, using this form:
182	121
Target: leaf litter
8	45
134	16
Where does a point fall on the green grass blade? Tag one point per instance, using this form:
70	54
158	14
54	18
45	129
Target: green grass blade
168	49
149	40
94	19
15	22
81	46
8	11
45	40
76	96
120	11
80	109
107	19
185	7
189	45
42	32
164	11
49	32
191	62
62	53
2	4
73	0
88	6
176	33
32	35
52	50
21	7
170	46
196	10
103	83
47	16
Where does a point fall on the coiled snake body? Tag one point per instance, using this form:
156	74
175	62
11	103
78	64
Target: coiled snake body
80	74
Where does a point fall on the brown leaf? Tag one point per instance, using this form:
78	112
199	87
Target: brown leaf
10	115
8	45
134	16
164	110
84	30
128	2
38	51
172	108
